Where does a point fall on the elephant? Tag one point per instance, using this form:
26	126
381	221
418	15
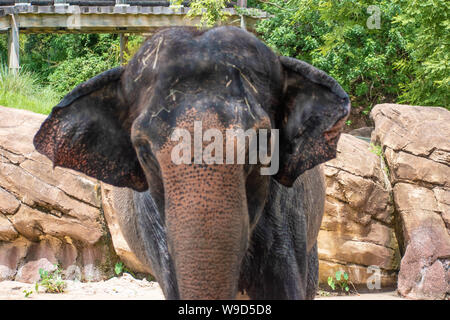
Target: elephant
208	230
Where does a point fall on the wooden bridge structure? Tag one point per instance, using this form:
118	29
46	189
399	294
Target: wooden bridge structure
100	16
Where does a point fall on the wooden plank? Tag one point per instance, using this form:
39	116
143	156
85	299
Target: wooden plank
116	19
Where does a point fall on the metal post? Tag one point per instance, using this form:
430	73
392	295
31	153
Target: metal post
13	46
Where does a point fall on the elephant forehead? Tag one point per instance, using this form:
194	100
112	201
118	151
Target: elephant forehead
176	54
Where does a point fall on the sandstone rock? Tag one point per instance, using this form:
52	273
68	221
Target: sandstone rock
111	211
416	144
7	231
357	230
443	202
362	132
420	131
8	203
362	277
47	215
423	271
33	223
29	273
11	254
407	167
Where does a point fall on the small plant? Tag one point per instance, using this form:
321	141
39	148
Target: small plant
323	293
27	293
120	268
340	281
51	281
378	150
348	122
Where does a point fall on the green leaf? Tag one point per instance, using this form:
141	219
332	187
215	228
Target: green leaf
338	275
118	268
345	275
346	288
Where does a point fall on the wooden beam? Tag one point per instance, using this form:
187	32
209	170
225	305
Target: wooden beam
109	19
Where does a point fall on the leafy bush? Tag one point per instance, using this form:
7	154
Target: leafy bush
405	60
72	72
333	36
426	26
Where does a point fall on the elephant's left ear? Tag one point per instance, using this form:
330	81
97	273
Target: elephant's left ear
89	131
310	118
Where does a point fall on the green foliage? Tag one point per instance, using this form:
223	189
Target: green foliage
27	293
43	53
133	45
22	90
120	268
426	25
51	281
378	150
340	281
405	60
333	36
70	73
210	11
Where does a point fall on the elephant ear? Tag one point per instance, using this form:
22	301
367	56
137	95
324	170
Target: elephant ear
89	131
310	118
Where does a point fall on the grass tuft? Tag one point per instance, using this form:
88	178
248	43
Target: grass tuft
22	90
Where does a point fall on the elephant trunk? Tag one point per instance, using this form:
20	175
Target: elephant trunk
207	227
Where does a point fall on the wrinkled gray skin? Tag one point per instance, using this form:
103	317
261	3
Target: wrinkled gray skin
302	205
208	231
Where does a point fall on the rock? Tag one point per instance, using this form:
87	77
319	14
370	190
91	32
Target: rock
11	254
407	167
416	144
8	203
423	274
33	223
362	132
420	131
357	231
29	273
7	231
47	215
112	208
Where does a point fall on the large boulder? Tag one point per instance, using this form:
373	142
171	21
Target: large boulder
416	145
357	233
48	215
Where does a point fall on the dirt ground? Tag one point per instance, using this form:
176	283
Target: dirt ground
126	287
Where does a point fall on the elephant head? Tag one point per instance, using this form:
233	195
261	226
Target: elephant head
118	127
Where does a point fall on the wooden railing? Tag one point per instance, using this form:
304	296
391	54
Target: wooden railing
141	3
100	16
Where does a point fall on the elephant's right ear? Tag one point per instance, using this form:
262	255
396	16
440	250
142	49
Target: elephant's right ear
310	118
89	131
